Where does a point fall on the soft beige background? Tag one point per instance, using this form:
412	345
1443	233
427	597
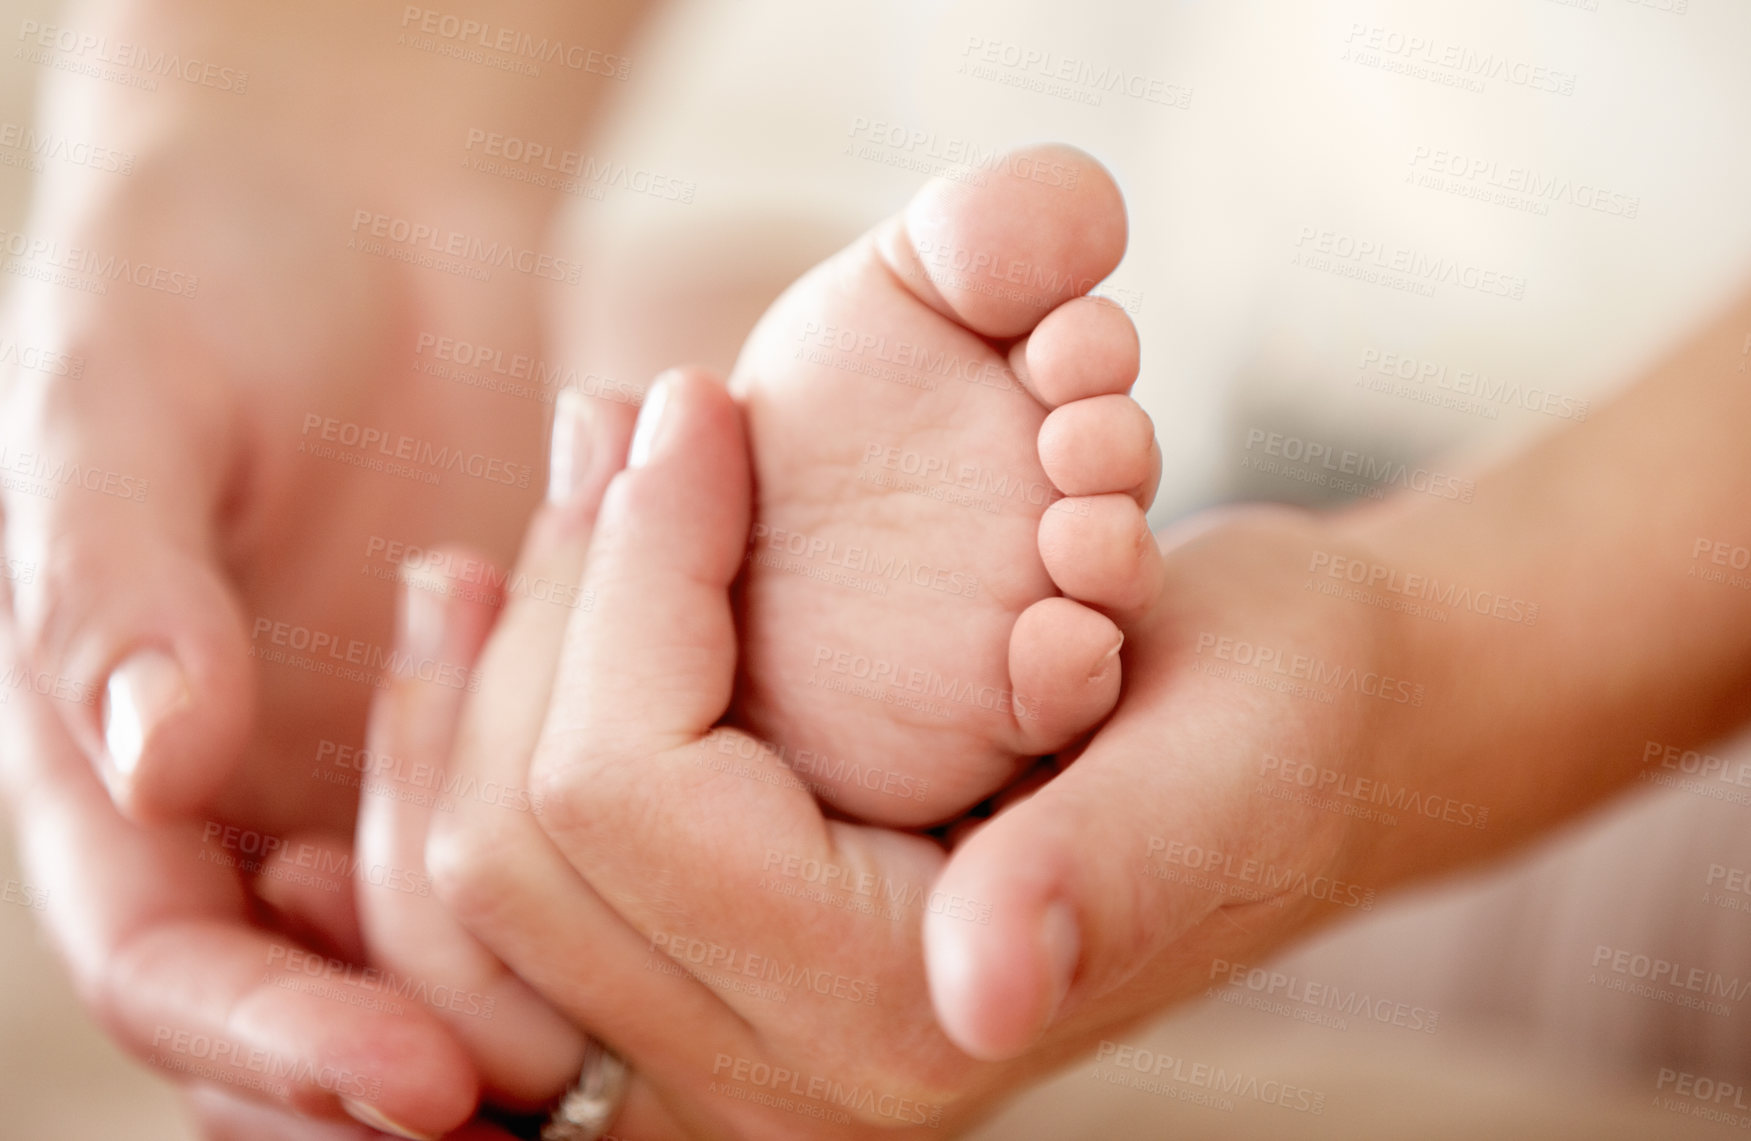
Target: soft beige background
755	100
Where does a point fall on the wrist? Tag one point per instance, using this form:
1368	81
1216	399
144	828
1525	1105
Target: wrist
1282	599
1446	807
341	87
1382	636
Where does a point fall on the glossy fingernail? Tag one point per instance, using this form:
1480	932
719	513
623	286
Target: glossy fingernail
420	620
376	1119
1105	665
1061	943
651	419
142	692
954	968
568	456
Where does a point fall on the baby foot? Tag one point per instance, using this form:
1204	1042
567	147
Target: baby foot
915	405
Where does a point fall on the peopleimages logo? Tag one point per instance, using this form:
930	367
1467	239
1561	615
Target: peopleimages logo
17	570
425	454
343	980
715	958
840	878
1215	1079
881	677
1699	1087
1053	73
1412	266
1365	790
1470	385
48	144
511	42
87	51
352	659
1457	60
1358	1004
1371	471
542	165
1532	184
22	678
400	779
1668	973
371	230
1306	667
954	152
37	359
56	474
1376	576
232	845
1268	877
97	269
220	1059
825	1091
884	566
806	769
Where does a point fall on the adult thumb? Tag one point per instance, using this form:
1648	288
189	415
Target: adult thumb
1066	901
110	494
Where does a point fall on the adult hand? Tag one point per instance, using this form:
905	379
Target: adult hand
180	964
1321	708
761	965
200	528
238	389
1270	705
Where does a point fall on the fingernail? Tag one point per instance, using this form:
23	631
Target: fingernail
650	423
955	970
375	1118
569	454
1061	941
420	620
1105	664
142	692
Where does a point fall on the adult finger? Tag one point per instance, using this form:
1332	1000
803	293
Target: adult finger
527	1050
1182	835
670	856
619	763
224	1116
221	1115
154	925
676	825
115	480
491	862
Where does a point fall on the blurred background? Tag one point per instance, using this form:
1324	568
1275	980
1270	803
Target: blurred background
1336	239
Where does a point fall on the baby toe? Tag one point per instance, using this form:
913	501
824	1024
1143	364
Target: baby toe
1099	550
1100	446
1001	254
1085	347
1064	668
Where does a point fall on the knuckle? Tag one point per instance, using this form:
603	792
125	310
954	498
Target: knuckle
1140	422
907	1086
469	869
56	611
570	804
